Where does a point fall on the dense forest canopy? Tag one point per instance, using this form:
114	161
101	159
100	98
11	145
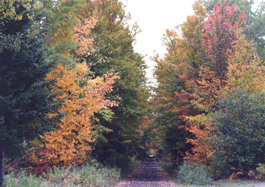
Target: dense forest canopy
73	89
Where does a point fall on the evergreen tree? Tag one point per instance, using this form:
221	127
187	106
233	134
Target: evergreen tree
25	98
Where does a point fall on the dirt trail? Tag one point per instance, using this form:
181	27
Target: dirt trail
148	174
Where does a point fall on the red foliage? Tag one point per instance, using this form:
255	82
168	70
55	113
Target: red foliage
181	77
184	96
44	168
43	151
44	164
219	35
184	109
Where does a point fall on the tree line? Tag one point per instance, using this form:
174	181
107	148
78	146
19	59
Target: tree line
209	101
72	87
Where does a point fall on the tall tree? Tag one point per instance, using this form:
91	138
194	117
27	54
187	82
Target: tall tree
220	33
239	106
245	69
115	39
255	21
176	73
24	98
83	96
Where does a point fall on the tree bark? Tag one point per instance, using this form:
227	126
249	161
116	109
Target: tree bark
1	166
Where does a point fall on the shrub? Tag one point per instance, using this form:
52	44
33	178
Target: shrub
220	168
193	174
261	171
85	176
239	130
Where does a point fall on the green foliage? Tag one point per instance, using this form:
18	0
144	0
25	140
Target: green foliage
25	99
220	167
239	129
114	44
193	174
22	180
60	22
85	176
261	171
174	143
168	166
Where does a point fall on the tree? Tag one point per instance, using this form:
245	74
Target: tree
255	21
244	85
114	41
218	38
220	32
25	97
184	55
245	69
176	74
83	96
244	72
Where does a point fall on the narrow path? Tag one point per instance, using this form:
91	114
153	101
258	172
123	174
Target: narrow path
149	174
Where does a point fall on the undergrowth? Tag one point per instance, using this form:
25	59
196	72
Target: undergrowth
89	176
193	174
169	167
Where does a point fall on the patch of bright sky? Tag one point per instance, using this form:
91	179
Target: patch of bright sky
154	17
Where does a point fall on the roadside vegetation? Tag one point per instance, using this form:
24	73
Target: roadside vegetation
75	108
209	102
66	176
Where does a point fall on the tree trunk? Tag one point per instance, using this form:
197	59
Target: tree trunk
1	166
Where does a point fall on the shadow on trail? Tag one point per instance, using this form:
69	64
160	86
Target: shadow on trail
149	171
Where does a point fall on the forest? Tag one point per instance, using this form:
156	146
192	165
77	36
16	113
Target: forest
76	108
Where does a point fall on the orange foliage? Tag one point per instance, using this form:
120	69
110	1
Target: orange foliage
201	152
81	31
219	40
208	89
245	69
83	97
81	93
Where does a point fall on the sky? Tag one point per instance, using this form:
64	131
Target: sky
154	17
